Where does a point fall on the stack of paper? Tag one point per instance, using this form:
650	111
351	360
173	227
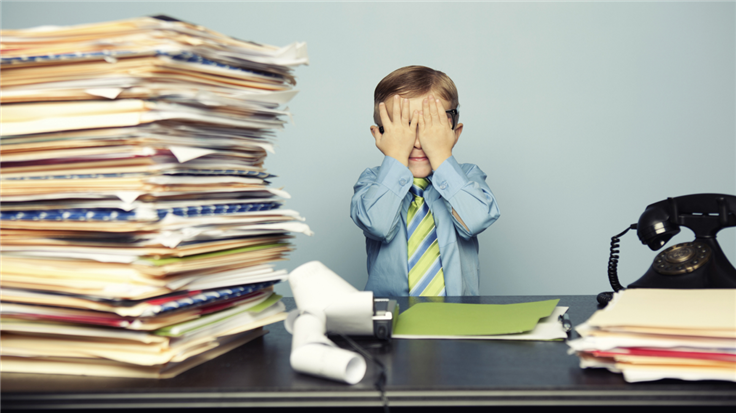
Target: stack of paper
652	334
139	231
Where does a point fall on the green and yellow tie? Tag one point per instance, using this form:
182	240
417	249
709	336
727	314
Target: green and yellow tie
425	266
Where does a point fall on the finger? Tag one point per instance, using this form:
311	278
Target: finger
414	121
397	109
433	109
385	120
420	122
442	115
425	111
405	111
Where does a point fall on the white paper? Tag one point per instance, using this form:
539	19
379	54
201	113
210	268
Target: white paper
328	362
313	353
187	153
326	301
128	196
200	180
351	314
109	93
592	343
109	257
635	374
315	286
640	373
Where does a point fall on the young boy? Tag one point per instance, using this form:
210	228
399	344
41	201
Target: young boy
420	210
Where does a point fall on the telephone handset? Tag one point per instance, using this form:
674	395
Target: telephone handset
697	264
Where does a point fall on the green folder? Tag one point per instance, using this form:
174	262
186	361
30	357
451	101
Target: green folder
451	319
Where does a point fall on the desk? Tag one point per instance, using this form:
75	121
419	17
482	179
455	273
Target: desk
419	373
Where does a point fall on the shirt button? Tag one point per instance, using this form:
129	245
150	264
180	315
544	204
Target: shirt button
402	182
443	185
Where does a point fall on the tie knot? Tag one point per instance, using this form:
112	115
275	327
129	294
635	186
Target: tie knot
420	184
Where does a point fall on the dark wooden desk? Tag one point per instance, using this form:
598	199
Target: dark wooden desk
419	373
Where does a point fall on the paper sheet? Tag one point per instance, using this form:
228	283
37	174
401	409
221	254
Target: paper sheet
452	319
548	328
683	309
100	367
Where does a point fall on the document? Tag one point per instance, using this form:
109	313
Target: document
452	320
652	334
139	229
697	311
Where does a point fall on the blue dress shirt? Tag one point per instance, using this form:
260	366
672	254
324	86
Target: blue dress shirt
379	207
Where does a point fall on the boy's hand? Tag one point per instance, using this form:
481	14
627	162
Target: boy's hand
399	131
435	132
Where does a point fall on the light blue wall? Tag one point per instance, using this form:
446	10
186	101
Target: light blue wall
581	114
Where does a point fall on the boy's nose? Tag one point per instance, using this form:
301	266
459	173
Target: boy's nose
417	144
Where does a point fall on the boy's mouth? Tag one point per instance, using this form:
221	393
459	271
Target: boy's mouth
418	158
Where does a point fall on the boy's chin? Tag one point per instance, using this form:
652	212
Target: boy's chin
420	171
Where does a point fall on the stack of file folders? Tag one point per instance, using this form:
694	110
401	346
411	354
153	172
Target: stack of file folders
139	232
652	334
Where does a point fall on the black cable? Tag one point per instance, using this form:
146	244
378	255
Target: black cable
380	382
605	297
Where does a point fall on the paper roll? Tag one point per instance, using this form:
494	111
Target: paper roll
324	299
290	320
313	353
328	362
309	329
315	286
351	314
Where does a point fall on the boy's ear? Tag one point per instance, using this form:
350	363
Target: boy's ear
374	131
458	131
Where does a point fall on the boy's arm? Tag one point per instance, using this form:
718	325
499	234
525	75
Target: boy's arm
467	196
377	198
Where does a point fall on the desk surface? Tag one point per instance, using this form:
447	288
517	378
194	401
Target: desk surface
419	373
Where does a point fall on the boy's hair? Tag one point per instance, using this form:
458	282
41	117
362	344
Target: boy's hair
411	81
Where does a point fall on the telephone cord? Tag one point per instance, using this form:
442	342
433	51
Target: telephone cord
380	382
605	297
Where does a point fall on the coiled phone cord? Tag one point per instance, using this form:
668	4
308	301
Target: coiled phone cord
604	297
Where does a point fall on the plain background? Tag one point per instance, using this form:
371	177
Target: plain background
581	114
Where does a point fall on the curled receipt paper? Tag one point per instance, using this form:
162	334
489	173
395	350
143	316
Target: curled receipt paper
327	303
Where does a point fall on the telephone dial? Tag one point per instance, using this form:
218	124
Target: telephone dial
700	263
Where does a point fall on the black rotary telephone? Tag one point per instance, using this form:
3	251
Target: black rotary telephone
697	264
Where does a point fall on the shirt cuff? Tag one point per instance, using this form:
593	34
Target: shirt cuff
395	176
449	178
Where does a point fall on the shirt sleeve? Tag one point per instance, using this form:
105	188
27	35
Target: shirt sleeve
467	196
377	199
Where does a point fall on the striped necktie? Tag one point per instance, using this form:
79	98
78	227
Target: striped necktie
425	267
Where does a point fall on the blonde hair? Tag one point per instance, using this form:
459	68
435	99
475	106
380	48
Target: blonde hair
411	81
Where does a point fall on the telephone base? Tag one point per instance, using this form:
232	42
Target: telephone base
679	267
